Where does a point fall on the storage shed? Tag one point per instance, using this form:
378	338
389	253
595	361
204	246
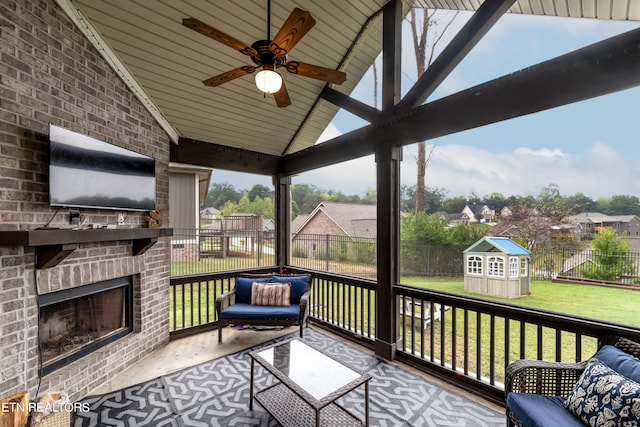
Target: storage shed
497	266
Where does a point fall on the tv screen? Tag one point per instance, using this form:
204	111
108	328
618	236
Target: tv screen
89	173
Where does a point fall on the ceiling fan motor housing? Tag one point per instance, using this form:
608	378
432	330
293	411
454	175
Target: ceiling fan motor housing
265	55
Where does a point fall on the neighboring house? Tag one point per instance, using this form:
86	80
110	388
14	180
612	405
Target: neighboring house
188	186
479	213
339	219
454	218
508	211
590	222
208	217
297	223
209	213
331	219
269	228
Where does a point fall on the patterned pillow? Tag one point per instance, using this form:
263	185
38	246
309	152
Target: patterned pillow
604	398
271	293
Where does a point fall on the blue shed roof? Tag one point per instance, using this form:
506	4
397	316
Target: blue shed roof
497	244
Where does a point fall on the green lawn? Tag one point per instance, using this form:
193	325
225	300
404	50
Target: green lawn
597	302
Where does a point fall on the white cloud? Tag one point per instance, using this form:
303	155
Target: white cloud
543	152
598	171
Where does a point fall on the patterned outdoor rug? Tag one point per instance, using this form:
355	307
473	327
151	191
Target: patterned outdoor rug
216	393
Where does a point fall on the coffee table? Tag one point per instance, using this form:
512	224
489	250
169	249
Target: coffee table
309	383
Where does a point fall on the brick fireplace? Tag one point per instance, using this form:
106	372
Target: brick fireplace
52	74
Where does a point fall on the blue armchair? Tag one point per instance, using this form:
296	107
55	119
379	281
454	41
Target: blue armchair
240	306
542	393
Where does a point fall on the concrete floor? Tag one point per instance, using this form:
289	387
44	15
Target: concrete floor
189	351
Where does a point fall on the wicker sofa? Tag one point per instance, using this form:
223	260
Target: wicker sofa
237	307
540	393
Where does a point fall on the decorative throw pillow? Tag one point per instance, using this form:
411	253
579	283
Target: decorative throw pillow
604	398
271	293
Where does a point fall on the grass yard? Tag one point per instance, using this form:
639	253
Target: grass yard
597	302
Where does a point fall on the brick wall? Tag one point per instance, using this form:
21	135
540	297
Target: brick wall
49	73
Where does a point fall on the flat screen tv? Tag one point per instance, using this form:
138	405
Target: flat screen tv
88	173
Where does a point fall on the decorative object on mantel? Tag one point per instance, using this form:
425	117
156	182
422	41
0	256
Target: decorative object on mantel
156	218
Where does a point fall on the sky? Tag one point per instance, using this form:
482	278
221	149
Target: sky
591	147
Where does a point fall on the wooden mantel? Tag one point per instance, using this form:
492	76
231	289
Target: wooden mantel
54	245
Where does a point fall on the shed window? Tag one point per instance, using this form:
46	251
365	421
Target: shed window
524	267
513	267
495	266
474	264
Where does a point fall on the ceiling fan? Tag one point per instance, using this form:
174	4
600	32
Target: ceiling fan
269	55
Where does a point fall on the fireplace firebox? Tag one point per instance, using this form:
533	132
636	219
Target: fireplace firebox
76	321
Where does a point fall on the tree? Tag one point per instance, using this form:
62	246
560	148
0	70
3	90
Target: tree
306	196
261	191
435	229
549	194
624	205
611	258
454	204
219	194
371	198
580	203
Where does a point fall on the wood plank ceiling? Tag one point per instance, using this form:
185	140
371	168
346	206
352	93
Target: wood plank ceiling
168	62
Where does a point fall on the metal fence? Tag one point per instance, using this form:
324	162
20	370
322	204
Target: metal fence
197	251
210	250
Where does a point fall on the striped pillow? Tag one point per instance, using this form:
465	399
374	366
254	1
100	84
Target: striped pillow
271	293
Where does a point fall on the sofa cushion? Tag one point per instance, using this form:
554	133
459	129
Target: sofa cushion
621	362
535	410
261	312
299	285
243	288
270	293
603	397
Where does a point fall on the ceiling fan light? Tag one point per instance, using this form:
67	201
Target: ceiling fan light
268	81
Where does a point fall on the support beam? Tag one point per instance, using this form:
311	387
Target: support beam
476	27
353	106
599	69
193	152
388	159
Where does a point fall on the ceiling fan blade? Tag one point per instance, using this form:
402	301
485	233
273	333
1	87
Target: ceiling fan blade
282	96
229	75
294	28
218	36
316	72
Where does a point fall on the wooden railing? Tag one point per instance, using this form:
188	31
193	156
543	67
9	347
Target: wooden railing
467	341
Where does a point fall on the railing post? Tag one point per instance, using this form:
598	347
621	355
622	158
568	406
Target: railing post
326	252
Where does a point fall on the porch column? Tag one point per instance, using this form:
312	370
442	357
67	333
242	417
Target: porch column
388	249
388	158
282	208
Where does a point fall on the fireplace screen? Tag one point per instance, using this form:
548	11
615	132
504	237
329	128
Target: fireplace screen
76	321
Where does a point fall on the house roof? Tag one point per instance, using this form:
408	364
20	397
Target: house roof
356	220
597	218
164	63
497	244
298	222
